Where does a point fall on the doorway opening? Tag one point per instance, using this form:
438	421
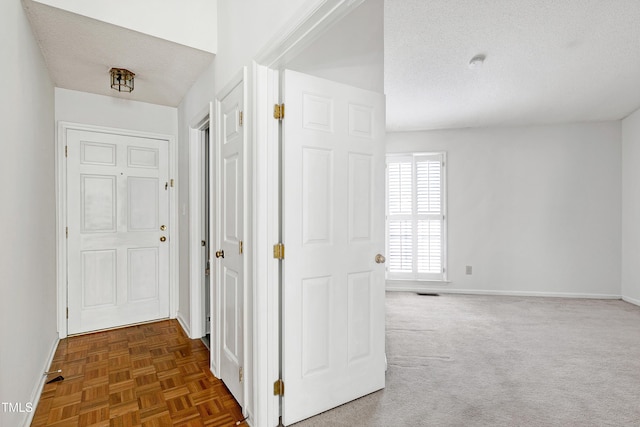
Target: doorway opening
206	243
201	220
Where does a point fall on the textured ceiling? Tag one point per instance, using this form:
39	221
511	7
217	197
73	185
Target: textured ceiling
79	52
547	61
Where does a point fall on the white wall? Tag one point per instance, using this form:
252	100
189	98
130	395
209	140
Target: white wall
100	110
28	253
245	27
631	208
191	23
194	102
532	210
351	52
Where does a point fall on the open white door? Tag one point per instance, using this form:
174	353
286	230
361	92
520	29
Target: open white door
230	272
118	217
333	229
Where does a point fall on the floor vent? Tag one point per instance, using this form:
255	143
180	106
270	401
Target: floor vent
428	294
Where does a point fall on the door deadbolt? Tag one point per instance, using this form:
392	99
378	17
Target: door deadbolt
380	259
163	239
220	254
163	227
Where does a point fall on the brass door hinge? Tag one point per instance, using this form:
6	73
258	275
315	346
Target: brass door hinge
240	374
278	111
278	251
171	182
66	232
240	249
66	151
241	118
278	388
67	312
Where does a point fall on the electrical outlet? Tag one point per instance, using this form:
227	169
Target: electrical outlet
469	270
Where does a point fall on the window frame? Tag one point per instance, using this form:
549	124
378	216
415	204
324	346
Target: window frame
414	217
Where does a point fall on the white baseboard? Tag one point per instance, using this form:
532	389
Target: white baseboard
184	324
501	293
37	391
631	300
410	288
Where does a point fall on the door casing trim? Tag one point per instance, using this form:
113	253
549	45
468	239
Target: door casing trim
61	214
264	86
200	122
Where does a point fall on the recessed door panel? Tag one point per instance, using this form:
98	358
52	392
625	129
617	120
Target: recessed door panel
317	113
99	278
360	288
98	203
231	198
93	153
361	121
317	195
143	273
140	157
231	334
316	321
143	206
231	123
360	197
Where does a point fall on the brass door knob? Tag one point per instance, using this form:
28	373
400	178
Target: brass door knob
380	259
163	239
220	254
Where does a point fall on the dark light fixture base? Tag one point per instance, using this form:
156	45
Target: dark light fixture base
121	79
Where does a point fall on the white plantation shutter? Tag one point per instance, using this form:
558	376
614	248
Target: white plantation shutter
415	216
400	188
400	246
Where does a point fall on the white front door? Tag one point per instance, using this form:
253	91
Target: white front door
333	228
117	218
230	258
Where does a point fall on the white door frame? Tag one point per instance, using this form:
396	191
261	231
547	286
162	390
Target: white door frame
206	118
61	214
264	85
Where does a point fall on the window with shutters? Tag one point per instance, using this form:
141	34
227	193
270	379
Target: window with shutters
416	227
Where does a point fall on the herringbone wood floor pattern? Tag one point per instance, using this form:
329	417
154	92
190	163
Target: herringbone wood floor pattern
145	375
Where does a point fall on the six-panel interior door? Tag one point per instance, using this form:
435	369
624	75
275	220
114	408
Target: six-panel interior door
231	266
117	217
333	228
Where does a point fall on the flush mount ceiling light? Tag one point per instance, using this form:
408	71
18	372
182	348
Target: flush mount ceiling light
121	79
477	61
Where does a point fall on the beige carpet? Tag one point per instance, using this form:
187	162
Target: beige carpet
458	360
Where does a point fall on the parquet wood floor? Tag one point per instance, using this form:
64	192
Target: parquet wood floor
149	375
